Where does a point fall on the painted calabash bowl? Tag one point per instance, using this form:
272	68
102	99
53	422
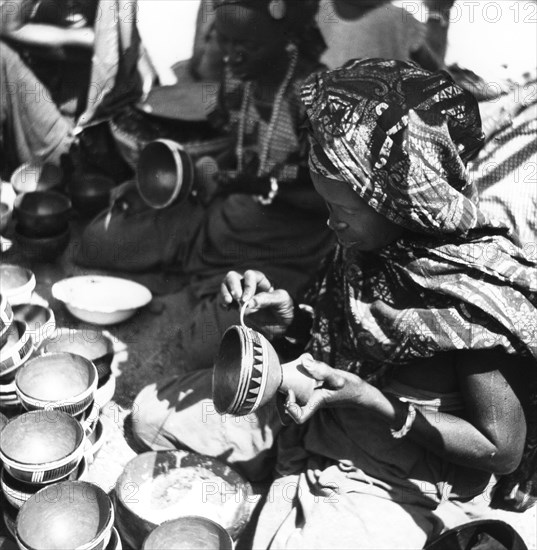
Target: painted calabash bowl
189	533
165	173
66	515
247	372
18	492
42	213
63	381
39	319
16	351
41	446
89	343
16	284
164	485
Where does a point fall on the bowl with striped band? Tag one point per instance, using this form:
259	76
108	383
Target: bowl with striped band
16	351
69	514
62	381
42	446
18	492
247	373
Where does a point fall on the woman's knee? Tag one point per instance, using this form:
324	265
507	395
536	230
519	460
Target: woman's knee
148	417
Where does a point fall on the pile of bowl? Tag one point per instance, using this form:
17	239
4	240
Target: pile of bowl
16	347
96	347
42	228
54	441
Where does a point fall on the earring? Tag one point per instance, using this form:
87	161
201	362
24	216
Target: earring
225	59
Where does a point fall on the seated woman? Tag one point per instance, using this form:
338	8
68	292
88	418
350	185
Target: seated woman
421	341
44	76
265	212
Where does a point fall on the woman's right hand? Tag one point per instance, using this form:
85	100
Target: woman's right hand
270	311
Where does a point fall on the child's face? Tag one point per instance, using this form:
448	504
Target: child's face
354	222
249	40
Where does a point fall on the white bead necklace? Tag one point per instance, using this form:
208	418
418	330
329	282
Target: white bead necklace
293	53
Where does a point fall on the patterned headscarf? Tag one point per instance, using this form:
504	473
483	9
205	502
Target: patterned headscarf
399	136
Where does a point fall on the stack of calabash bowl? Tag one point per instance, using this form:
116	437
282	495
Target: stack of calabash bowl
97	347
66	382
42	228
38	448
16	347
72	514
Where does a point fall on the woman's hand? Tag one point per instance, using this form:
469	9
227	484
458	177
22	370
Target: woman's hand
336	388
269	311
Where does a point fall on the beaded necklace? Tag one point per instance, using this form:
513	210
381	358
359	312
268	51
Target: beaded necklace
293	54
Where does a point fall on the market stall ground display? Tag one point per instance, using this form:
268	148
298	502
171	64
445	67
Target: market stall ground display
146	347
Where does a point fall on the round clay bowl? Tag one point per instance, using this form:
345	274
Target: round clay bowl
16	284
189	533
42	213
151	489
90	193
42	249
16	351
62	381
18	492
247	372
165	173
89	343
40	320
41	446
36	177
70	514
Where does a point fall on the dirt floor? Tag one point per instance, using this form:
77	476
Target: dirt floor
146	349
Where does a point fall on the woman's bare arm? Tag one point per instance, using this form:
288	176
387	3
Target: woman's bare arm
491	436
488	436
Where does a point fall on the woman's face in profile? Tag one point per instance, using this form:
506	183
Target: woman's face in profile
353	221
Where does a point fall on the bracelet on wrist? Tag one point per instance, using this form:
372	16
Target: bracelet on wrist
409	421
271	195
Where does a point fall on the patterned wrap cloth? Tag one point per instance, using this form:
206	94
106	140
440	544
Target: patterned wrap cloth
400	136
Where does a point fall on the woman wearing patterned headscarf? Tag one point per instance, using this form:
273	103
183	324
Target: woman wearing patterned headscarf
424	322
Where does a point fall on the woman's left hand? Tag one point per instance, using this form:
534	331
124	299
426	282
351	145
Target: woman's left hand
336	388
